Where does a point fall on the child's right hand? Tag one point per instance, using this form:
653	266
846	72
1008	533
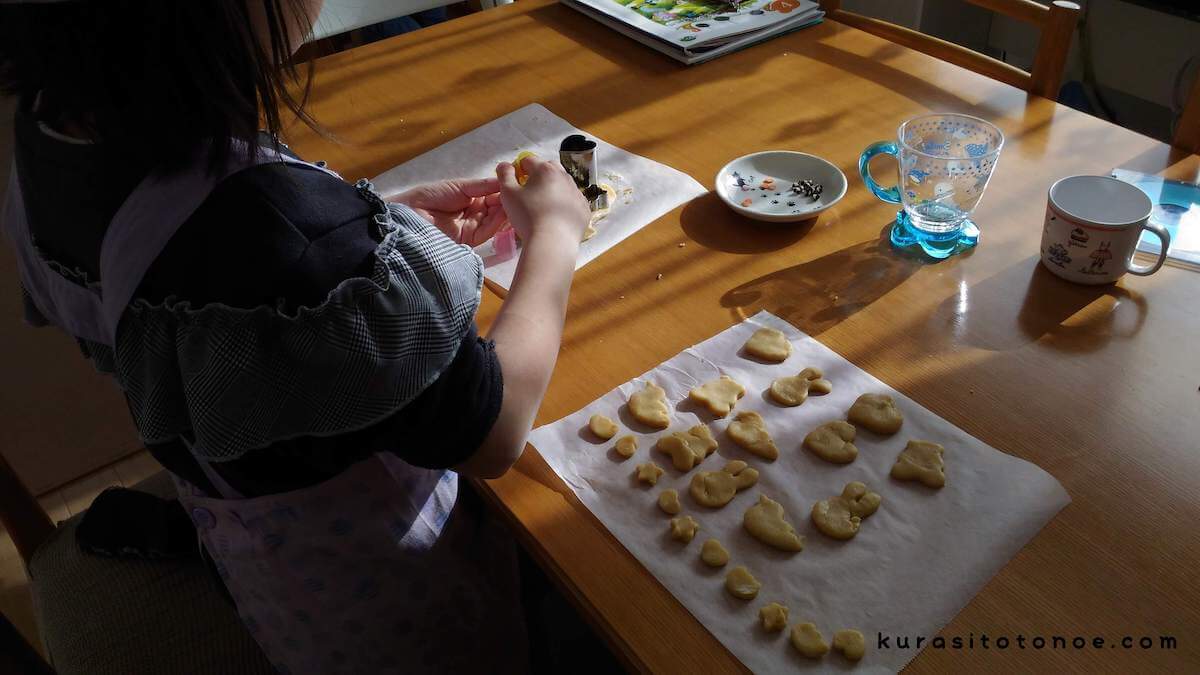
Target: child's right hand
549	202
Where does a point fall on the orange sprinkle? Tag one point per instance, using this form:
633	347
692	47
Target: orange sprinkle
747	201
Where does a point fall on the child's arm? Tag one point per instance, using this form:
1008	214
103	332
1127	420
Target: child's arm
549	214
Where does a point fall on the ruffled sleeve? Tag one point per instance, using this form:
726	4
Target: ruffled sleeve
229	380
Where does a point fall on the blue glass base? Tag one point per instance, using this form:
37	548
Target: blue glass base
933	244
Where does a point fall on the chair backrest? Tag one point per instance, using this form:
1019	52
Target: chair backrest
25	520
341	16
1056	22
1187	128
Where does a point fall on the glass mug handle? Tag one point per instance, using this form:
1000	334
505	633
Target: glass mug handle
891	194
1164	238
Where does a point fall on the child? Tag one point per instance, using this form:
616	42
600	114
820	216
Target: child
299	353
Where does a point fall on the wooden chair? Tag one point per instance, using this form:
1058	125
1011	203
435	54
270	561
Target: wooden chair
101	615
1057	23
1187	129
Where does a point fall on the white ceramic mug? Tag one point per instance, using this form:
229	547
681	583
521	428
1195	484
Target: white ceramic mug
1092	228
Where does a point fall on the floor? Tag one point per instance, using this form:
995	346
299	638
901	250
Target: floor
71	499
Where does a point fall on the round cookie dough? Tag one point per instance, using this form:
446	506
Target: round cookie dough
850	643
603	427
713	554
626	446
741	584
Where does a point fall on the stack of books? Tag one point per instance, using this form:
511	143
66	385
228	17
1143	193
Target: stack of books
693	31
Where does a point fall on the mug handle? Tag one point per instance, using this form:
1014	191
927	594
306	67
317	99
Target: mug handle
891	194
1165	238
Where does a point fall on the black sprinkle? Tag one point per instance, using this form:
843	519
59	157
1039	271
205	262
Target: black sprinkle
774	201
791	203
777	194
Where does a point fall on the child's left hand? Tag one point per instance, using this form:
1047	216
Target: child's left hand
467	211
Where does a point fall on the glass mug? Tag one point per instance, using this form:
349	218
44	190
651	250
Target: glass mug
945	163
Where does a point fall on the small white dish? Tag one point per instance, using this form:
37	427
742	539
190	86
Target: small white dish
742	179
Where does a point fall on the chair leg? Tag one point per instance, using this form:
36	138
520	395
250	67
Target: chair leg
16	655
21	514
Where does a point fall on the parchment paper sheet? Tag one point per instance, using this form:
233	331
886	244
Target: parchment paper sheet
645	189
914	564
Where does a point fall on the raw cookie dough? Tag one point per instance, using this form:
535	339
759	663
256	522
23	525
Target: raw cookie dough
668	500
741	584
820	387
808	641
922	461
603	427
684	528
717	488
876	412
648	473
600	214
832	442
626	446
789	391
714	554
750	431
519	167
765	522
850	643
719	395
794	390
774	617
768	344
687	449
649	406
839	517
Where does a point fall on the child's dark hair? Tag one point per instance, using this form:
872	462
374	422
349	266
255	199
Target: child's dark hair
160	79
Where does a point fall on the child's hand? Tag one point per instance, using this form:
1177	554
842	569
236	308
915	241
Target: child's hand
548	202
467	211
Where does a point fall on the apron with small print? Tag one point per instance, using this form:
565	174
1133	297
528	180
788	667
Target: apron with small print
385	568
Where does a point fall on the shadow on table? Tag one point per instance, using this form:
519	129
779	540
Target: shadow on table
709	222
818	294
1064	316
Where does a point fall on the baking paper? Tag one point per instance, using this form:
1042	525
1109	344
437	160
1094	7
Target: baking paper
914	564
645	189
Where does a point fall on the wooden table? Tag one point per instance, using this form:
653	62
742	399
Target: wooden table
1097	385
